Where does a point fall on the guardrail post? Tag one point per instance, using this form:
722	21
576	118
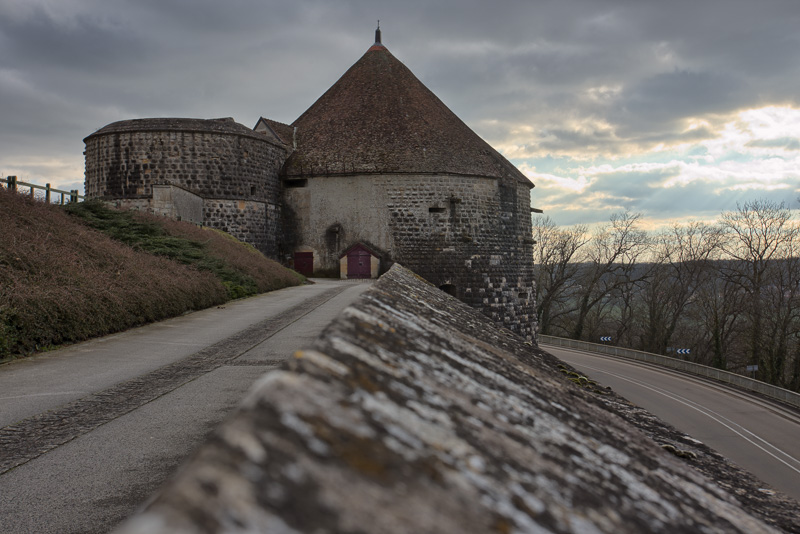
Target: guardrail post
47	193
12	183
73	195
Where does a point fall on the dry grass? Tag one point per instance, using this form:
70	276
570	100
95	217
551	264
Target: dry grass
61	281
264	274
242	269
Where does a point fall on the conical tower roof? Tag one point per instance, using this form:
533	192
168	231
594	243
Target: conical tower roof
379	118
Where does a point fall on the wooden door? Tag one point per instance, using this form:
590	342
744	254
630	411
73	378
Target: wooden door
304	263
358	264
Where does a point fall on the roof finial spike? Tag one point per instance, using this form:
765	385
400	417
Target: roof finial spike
378	33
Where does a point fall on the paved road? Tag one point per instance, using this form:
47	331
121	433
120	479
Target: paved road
89	432
761	436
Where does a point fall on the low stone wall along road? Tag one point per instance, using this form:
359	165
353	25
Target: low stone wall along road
87	433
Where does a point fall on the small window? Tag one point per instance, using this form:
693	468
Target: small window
252	190
450	289
435	209
296	183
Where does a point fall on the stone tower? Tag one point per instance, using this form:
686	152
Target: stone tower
214	172
379	161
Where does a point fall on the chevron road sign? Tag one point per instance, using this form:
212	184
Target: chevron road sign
684	351
605	338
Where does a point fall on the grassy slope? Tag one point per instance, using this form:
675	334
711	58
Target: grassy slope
62	281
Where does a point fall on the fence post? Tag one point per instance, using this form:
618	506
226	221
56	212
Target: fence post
47	194
12	183
73	195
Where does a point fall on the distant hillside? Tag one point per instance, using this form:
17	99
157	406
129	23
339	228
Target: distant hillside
89	270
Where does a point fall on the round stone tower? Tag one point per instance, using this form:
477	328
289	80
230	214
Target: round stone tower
380	163
213	172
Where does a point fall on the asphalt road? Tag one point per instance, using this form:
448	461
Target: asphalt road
760	436
89	432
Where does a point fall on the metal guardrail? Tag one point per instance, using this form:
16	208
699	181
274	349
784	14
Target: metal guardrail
13	184
768	390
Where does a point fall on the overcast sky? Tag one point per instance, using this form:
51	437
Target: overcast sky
670	108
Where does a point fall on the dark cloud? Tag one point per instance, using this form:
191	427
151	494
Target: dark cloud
558	140
661	102
788	143
577	78
82	44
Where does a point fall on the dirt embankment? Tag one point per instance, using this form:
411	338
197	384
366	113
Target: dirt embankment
67	275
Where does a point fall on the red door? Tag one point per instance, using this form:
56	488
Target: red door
304	263
358	264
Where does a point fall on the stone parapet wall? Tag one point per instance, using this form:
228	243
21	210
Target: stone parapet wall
415	413
177	203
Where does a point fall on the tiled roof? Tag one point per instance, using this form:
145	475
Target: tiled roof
379	118
283	131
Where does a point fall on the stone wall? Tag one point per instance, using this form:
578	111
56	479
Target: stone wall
470	234
222	162
176	203
333	213
415	413
253	222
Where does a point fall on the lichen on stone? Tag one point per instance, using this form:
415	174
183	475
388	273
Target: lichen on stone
410	417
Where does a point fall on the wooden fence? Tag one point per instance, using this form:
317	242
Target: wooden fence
69	196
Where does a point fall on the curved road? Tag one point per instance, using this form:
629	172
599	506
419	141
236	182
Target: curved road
89	432
760	436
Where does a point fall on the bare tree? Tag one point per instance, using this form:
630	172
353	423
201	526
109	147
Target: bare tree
610	261
759	233
682	259
730	292
555	266
626	307
717	311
